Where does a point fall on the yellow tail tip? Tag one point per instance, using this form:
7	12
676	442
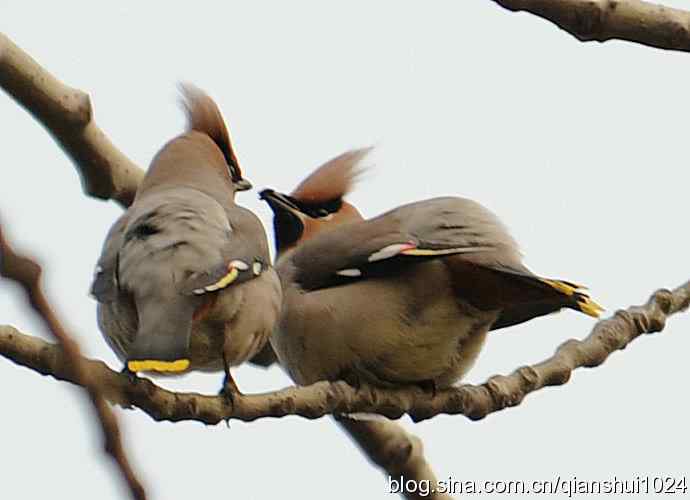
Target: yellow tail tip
564	286
585	304
154	365
589	307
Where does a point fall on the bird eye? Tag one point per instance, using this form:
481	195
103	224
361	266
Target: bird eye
322	212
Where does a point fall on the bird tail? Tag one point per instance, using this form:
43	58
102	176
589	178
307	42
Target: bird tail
163	335
579	298
543	296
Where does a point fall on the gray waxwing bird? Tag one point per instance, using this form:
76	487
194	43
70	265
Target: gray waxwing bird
407	297
184	281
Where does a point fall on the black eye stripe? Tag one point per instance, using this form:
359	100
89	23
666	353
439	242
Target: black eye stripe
318	209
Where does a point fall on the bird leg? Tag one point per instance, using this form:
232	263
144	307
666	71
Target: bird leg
428	386
352	379
229	385
229	390
132	376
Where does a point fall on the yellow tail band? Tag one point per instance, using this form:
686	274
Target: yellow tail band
231	276
154	365
589	307
586	305
567	288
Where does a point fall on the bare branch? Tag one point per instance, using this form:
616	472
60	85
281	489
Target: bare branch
601	20
27	273
323	398
397	452
66	113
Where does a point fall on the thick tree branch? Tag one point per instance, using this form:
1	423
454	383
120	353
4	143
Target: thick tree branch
395	451
323	398
27	273
66	113
601	20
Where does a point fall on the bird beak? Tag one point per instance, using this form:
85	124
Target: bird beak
288	220
242	185
279	202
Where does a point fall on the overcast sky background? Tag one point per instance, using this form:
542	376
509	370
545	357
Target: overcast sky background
580	148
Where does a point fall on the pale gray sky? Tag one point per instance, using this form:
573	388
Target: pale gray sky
580	148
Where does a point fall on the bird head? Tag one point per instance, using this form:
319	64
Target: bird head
317	204
203	156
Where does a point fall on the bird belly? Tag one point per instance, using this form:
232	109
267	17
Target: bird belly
386	331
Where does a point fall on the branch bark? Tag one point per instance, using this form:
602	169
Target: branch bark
395	451
601	20
28	274
386	444
66	113
337	398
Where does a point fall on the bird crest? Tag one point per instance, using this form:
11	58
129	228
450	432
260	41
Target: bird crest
334	179
204	116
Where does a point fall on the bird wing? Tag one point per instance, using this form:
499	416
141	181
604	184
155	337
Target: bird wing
480	253
195	246
184	241
104	286
243	256
407	235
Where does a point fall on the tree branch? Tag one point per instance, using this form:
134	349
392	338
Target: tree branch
27	273
601	20
323	398
66	113
395	451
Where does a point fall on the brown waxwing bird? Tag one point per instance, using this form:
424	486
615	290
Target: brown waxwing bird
404	298
184	281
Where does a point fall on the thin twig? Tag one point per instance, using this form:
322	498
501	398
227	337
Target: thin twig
27	273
